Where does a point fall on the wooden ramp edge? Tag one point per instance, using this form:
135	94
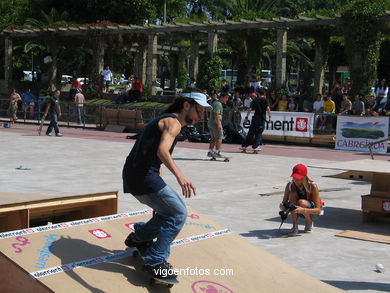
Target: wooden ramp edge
365	236
90	256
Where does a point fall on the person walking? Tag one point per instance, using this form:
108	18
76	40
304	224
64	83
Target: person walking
79	101
53	107
13	106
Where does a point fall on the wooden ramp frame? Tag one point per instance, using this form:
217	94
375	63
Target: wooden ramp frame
90	256
18	211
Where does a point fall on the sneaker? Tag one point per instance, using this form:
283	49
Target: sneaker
309	228
59	134
162	271
257	149
131	241
217	155
293	232
243	149
210	154
48	134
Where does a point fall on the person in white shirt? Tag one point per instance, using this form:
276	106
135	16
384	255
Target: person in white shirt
318	109
381	96
107	78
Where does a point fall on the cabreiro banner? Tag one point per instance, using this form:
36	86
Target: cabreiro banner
354	133
286	124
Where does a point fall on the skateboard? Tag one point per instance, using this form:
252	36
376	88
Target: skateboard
246	152
140	252
225	159
41	125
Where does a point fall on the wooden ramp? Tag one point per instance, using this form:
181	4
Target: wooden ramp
365	236
90	256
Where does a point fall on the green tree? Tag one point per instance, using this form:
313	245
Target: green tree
208	77
362	41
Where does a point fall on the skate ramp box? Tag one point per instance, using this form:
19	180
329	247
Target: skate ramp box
90	256
19	210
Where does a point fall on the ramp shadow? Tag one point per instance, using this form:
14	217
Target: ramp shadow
70	250
353	285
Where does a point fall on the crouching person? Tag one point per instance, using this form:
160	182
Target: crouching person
304	194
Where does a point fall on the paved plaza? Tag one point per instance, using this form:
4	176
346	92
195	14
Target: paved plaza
243	195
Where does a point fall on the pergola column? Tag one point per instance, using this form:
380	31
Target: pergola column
320	61
281	52
98	61
212	43
194	59
140	62
8	62
151	64
173	70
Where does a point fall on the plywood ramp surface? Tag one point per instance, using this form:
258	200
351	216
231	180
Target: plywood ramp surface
375	166
90	256
365	236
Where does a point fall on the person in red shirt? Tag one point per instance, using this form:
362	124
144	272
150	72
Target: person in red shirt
136	90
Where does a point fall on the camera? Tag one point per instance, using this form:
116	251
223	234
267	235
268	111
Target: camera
289	208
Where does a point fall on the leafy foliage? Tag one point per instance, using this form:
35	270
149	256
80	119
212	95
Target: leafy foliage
208	77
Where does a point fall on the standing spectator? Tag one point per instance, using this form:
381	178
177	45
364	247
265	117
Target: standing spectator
192	83
28	103
212	99
302	93
260	106
282	104
237	102
336	93
307	105
215	126
346	105
273	101
107	78
381	96
13	106
358	107
79	101
53	107
318	109
248	100
225	87
292	106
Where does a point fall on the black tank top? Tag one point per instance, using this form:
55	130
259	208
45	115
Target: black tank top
141	172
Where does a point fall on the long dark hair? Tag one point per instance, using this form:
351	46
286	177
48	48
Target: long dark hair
177	105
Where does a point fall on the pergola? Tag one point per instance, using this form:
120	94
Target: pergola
146	60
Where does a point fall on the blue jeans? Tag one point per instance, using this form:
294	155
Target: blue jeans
255	130
80	114
53	124
169	219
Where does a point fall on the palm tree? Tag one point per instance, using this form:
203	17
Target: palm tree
52	18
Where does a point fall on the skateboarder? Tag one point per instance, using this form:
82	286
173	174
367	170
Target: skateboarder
53	106
260	106
142	178
215	126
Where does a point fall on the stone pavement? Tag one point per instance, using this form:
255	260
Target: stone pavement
242	195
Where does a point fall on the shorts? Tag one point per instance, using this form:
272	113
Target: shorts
215	133
311	205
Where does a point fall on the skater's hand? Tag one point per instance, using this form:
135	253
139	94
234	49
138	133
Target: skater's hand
299	210
187	187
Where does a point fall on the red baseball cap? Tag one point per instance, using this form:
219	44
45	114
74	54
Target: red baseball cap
299	171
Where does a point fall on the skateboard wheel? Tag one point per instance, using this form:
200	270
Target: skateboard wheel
226	160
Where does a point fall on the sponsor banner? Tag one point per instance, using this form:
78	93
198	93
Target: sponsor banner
355	133
100	259
73	224
286	124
